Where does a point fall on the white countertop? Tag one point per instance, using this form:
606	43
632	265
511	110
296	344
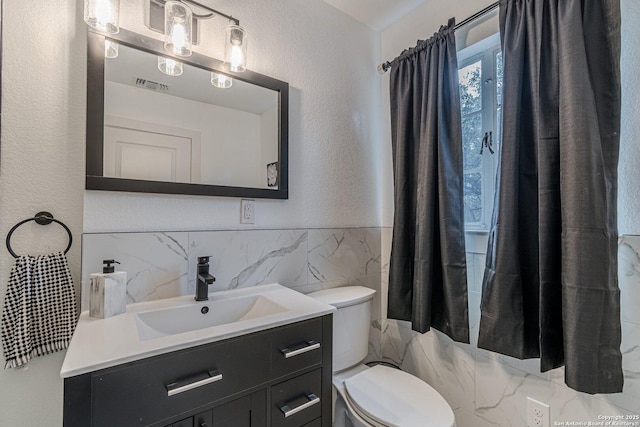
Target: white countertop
102	343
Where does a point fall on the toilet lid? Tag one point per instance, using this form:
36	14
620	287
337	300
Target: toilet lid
395	398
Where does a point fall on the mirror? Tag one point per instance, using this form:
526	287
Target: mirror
151	132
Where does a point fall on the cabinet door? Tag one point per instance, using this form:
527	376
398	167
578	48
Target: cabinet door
233	414
203	419
248	411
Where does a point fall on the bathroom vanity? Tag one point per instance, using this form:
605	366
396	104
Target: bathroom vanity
269	367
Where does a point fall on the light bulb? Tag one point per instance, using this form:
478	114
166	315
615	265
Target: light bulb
169	66
178	26
178	38
102	15
236	60
236	48
221	81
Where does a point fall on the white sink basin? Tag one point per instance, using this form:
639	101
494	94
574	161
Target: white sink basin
157	327
194	315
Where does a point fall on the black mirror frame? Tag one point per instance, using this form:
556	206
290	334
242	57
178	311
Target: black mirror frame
95	123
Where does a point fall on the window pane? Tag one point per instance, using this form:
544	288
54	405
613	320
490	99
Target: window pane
470	78
472	197
472	141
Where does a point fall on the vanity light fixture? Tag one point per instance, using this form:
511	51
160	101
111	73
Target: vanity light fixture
181	32
110	49
221	81
169	66
102	15
178	27
178	21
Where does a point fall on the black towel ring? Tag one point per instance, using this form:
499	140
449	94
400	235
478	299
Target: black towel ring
42	218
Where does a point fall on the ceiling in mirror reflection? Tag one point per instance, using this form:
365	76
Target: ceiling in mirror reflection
132	65
184	129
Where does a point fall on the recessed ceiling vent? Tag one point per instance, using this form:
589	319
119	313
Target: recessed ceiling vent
151	85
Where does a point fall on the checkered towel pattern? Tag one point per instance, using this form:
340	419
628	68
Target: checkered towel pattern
39	314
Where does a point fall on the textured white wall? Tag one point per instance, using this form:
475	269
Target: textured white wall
329	61
42	168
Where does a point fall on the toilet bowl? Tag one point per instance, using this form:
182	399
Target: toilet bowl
379	396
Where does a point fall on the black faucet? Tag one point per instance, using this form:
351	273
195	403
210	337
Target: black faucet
204	279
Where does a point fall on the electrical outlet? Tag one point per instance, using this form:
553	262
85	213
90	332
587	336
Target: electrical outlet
538	413
247	211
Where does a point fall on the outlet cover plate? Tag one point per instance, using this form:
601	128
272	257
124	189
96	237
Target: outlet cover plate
247	211
538	413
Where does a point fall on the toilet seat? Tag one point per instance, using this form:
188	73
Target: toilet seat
387	397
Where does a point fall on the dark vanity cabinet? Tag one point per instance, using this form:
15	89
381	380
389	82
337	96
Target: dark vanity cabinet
279	377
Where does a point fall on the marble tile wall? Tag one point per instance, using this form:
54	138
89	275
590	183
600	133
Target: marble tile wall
489	389
162	265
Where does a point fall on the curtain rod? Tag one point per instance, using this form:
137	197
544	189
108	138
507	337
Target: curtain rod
386	66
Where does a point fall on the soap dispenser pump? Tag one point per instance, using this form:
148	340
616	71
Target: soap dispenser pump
108	268
108	292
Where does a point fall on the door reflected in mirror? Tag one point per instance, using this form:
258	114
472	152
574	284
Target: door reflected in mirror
184	129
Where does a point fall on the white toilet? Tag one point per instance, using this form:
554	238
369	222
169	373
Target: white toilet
379	396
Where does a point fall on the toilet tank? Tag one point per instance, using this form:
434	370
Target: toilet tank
350	323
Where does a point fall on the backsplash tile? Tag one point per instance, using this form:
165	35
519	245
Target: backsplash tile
158	258
163	264
250	257
450	371
336	254
629	278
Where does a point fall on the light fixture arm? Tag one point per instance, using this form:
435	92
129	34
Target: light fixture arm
202	6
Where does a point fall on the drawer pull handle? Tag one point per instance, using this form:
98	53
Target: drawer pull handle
311	345
313	399
182	386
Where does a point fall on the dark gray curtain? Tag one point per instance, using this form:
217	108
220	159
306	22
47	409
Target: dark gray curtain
427	277
550	286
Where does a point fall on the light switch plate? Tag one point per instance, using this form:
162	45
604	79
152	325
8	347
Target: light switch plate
247	211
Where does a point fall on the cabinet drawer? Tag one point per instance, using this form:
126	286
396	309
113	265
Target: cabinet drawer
297	402
154	389
296	347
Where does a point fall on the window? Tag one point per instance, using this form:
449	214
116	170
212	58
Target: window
480	76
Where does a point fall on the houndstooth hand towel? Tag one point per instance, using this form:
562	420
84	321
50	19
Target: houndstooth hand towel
39	314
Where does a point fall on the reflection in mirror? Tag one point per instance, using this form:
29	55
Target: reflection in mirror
184	129
148	132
